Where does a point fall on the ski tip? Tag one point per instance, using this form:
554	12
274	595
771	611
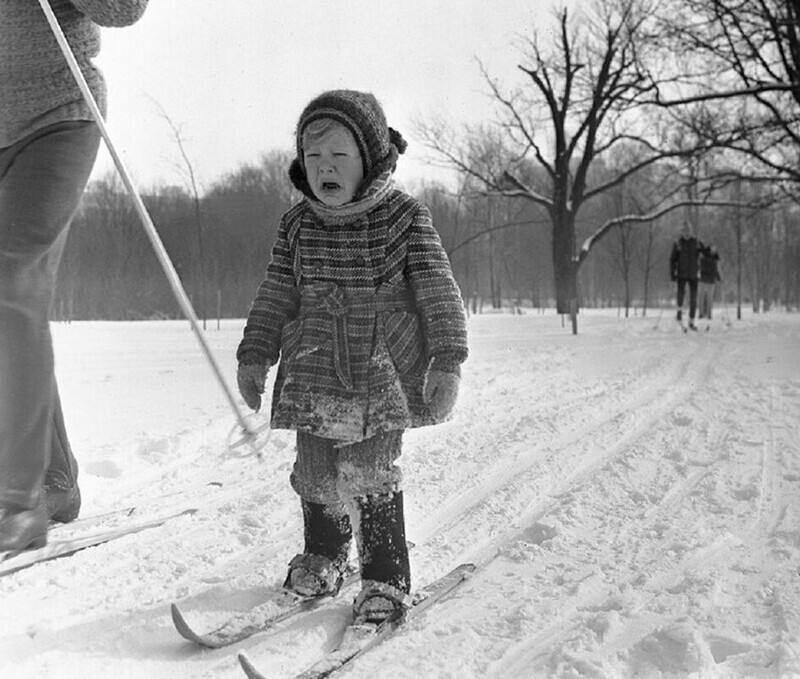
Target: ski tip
206	640
465	570
248	667
182	626
177	618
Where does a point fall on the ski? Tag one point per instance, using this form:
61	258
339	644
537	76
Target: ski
121	514
359	638
54	549
280	605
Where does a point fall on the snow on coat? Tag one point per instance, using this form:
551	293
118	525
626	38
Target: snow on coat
356	309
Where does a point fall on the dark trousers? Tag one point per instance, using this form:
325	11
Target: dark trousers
42	179
692	284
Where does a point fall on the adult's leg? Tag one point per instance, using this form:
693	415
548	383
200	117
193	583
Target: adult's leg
63	470
42	179
681	283
62	494
692	298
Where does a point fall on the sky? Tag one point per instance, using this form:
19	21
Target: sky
234	77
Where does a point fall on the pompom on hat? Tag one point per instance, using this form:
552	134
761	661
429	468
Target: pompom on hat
362	114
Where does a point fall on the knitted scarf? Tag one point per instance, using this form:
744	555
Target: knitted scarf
342	214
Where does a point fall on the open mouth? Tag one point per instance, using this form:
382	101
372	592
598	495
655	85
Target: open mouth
330	186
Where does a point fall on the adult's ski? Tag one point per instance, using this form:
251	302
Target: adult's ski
55	548
122	513
281	604
359	638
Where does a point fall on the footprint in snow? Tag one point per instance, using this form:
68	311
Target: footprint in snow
681	420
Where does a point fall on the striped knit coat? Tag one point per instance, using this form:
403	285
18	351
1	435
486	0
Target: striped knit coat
36	86
356	308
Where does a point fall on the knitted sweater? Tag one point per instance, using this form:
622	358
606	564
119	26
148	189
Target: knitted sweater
36	86
356	309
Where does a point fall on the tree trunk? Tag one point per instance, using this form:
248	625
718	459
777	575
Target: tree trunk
564	267
648	257
738	226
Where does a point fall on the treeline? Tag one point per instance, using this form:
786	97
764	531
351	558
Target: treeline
499	247
618	123
219	246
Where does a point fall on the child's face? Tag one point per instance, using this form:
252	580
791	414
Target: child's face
333	166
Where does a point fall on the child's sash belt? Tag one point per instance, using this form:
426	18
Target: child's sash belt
340	304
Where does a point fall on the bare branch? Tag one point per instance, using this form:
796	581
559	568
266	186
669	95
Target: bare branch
514	188
592	240
726	94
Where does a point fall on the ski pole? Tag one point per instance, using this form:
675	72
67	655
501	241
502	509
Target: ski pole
658	320
147	222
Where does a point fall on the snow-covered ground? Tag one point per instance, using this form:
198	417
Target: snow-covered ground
632	496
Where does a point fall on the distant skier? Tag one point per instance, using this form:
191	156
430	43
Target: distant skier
709	277
360	302
48	145
684	270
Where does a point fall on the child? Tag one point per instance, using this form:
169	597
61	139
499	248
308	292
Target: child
361	305
709	277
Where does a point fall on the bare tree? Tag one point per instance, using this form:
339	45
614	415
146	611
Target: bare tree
187	169
740	59
624	252
584	96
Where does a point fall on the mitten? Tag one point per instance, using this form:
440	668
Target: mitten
251	376
441	386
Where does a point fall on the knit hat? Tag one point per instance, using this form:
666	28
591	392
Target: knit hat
362	115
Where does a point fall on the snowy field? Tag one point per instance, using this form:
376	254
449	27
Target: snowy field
631	495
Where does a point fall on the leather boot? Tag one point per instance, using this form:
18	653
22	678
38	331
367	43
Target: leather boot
62	495
63	505
22	528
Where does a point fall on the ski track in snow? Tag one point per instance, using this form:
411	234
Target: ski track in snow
631	496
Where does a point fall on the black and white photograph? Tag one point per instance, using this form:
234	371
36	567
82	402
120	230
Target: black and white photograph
442	340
